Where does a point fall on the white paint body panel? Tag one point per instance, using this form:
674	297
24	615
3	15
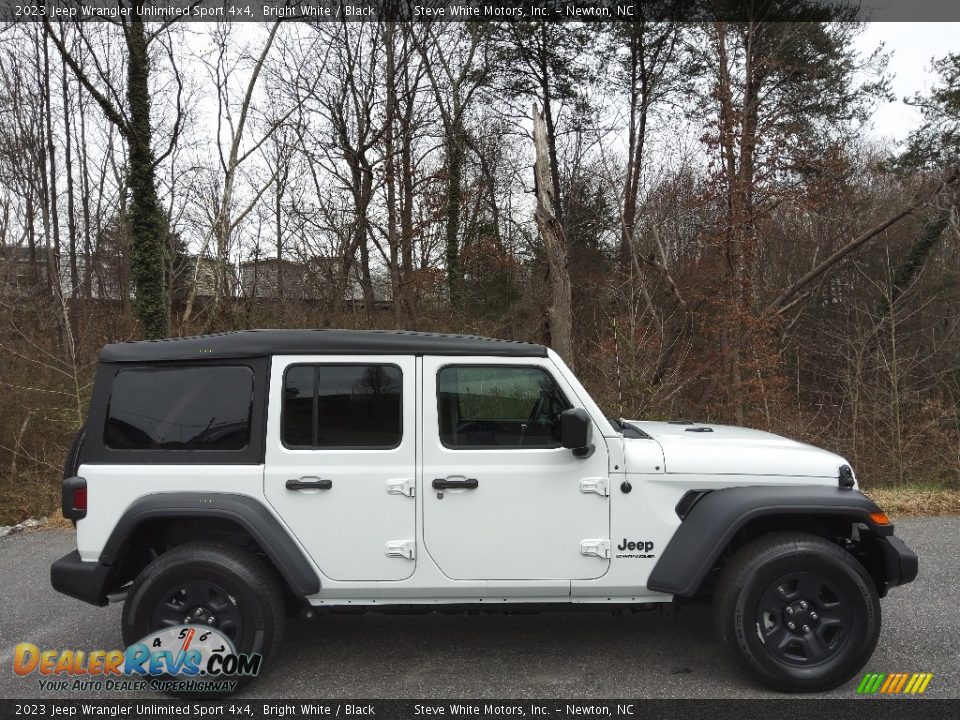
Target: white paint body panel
111	489
727	450
528	516
346	528
514	539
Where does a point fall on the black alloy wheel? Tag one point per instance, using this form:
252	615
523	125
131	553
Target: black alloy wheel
225	587
803	619
798	611
199	602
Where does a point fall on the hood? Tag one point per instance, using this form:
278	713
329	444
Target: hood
707	449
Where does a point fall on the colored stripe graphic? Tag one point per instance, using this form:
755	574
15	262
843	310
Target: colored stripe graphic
877	682
889	683
894	683
864	683
873	681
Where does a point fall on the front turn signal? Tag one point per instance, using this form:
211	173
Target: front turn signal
879	518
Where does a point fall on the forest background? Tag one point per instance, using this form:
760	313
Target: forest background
692	214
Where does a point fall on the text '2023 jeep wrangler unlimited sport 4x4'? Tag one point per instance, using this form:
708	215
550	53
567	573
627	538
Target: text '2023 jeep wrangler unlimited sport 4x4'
220	478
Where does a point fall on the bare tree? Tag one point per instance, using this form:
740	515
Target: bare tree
226	218
457	62
560	311
132	118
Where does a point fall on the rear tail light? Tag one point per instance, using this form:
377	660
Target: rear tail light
73	499
80	498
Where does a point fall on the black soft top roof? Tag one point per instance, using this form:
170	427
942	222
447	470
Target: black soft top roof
262	343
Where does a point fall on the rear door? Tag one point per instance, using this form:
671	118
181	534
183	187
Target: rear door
341	461
502	499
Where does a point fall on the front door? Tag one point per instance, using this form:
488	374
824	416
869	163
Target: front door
341	461
502	499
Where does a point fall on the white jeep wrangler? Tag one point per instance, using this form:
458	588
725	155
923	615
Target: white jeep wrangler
226	479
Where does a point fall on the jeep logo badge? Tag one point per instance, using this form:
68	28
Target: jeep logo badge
642	545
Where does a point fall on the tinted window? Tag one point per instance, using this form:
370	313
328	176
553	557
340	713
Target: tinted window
188	408
496	407
298	396
342	406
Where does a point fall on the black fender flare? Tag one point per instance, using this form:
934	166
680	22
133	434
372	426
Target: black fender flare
246	511
716	516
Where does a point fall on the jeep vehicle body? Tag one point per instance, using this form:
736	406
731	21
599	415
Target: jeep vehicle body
412	470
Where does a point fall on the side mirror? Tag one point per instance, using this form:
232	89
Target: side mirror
575	428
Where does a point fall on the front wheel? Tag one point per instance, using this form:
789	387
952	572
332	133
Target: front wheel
208	585
799	611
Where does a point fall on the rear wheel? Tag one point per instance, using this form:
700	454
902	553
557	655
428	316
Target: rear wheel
209	585
799	611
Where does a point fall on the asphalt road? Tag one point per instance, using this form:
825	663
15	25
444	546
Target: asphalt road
553	655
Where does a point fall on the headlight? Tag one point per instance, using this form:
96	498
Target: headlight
846	476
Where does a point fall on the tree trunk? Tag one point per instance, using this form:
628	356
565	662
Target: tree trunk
53	229
550	133
913	263
32	239
406	221
366	281
560	311
390	170
71	210
85	202
454	172
782	300
278	218
735	139
635	147
147	224
147	227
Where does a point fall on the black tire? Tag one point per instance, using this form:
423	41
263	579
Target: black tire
814	584
256	603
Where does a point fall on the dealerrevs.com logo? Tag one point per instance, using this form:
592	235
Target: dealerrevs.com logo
183	658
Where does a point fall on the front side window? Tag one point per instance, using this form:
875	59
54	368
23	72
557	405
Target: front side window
485	406
342	406
183	408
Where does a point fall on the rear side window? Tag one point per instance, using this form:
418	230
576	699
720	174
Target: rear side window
184	408
486	406
342	406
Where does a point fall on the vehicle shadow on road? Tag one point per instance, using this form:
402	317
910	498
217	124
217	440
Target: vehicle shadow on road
570	655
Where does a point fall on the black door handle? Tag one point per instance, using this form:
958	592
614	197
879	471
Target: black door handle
469	484
304	484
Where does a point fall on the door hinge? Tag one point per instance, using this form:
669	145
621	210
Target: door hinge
597	548
600	486
402	549
402	486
